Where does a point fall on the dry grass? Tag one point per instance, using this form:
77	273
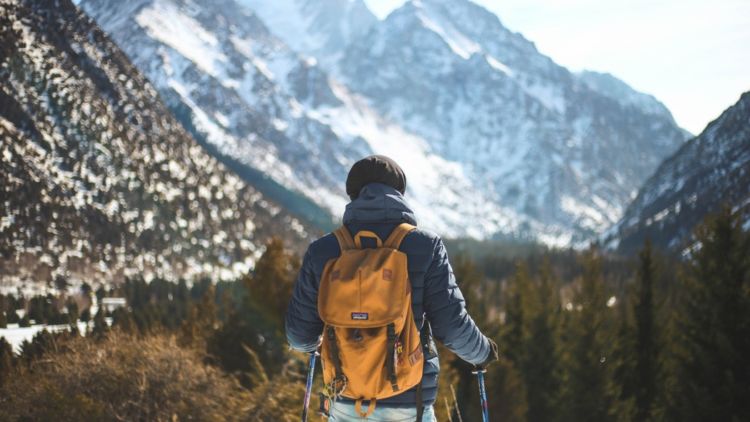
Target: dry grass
123	378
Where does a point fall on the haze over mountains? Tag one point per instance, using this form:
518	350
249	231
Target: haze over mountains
489	130
98	181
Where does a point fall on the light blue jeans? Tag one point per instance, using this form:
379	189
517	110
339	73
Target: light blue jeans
345	412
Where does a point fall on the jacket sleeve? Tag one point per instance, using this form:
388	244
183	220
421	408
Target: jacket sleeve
446	310
303	325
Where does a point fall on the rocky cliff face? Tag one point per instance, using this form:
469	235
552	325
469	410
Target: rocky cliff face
489	130
98	181
710	171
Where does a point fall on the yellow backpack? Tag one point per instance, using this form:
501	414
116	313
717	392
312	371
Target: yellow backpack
371	346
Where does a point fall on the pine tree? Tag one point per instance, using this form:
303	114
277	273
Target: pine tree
504	382
242	330
471	283
11	316
622	361
270	284
711	357
72	308
646	353
201	320
512	335
24	322
36	311
100	324
585	396
506	392
42	342
541	356
6	360
86	315
504	379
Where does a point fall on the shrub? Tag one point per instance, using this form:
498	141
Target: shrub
122	377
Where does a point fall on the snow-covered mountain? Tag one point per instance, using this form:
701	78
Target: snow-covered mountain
489	130
315	28
568	150
254	99
98	181
710	171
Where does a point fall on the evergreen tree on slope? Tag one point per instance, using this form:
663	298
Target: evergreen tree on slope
712	356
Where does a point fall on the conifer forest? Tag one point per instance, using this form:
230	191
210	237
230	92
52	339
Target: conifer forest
582	336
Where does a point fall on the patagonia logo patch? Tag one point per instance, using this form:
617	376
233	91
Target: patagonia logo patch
387	274
360	316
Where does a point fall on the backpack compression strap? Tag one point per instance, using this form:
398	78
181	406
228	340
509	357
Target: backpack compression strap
397	235
339	381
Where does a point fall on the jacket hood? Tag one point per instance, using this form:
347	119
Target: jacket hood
379	203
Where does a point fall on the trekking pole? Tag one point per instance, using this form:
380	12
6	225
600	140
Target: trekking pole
308	385
482	394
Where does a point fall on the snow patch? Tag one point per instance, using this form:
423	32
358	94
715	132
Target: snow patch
165	22
16	335
458	42
497	64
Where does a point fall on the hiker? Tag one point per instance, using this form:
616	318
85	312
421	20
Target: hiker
328	295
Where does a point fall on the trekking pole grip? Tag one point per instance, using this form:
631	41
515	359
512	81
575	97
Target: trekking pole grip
482	393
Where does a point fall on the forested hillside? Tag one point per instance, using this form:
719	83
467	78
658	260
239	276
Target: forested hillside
99	182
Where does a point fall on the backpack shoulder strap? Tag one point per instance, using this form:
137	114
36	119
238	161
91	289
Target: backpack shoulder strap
344	237
398	234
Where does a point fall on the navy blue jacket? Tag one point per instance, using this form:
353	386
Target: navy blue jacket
435	295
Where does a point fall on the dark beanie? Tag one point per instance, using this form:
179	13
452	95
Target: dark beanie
375	169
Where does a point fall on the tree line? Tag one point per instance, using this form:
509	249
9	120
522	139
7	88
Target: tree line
582	335
642	339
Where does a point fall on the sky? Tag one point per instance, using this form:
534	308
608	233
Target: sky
693	55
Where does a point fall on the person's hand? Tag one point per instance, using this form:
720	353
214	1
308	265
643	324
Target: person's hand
491	357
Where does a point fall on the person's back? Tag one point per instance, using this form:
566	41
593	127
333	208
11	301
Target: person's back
376	185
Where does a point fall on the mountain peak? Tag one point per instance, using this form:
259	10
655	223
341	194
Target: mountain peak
315	28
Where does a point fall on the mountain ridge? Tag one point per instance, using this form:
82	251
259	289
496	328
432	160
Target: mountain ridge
280	113
498	134
708	172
